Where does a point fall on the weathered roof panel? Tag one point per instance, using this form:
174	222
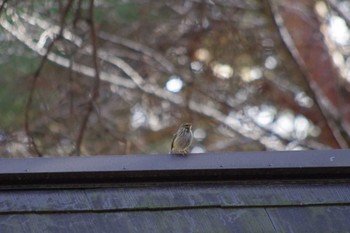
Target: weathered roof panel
171	196
320	219
305	191
182	220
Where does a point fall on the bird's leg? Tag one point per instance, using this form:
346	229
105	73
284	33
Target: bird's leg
183	152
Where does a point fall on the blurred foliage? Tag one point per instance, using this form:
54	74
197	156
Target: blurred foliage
128	12
13	89
237	81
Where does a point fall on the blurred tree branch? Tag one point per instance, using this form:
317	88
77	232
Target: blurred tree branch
135	60
145	87
95	89
340	11
290	23
35	78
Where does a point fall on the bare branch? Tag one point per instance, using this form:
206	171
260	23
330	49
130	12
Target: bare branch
95	89
139	48
137	81
295	56
33	85
77	14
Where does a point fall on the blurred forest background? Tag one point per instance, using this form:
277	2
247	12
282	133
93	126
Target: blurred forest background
81	77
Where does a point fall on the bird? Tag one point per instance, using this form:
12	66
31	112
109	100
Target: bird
182	139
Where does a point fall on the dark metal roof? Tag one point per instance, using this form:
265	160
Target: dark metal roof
301	191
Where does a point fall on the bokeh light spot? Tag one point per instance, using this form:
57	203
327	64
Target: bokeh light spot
270	63
199	134
175	84
222	71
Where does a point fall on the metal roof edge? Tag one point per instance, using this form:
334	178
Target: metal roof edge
165	167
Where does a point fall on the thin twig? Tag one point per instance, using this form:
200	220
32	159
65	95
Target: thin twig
77	14
34	81
30	100
95	89
71	87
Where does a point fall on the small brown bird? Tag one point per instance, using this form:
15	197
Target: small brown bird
182	139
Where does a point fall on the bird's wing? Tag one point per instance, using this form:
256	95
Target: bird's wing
172	143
